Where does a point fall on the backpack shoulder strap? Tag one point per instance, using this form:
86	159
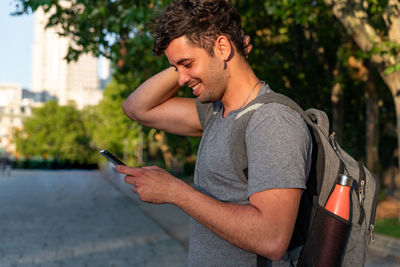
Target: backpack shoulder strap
238	150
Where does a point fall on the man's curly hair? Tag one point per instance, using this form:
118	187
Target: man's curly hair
201	21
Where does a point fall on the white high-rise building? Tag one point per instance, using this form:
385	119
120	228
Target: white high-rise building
75	81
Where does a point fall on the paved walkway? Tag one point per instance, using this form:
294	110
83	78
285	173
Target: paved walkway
88	218
76	218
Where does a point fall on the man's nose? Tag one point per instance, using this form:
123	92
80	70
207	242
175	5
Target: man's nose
183	78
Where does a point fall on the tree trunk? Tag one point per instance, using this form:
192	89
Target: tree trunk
352	14
337	108
354	18
397	176
392	20
363	74
372	143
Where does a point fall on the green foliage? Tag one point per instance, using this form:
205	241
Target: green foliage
57	132
110	128
300	49
289	11
294	51
389	227
385	49
114	29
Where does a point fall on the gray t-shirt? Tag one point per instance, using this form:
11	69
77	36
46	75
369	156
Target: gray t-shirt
279	155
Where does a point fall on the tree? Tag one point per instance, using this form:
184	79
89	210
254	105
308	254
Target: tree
113	29
110	128
301	50
56	131
117	30
380	41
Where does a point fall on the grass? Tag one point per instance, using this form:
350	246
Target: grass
389	227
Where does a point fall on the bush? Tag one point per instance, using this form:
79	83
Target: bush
51	164
388	226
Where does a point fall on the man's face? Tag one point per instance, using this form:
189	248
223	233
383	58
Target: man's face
197	69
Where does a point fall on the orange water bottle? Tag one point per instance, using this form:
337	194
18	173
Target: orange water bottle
339	201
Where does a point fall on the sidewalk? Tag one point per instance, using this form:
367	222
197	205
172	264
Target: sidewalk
386	245
385	251
171	219
75	218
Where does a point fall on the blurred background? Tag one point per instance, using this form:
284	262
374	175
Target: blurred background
68	65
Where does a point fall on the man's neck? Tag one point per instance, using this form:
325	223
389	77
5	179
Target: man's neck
242	87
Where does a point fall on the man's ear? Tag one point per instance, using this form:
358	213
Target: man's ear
223	48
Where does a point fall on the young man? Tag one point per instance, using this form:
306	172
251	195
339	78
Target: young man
232	221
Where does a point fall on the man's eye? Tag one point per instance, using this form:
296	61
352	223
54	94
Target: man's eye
188	65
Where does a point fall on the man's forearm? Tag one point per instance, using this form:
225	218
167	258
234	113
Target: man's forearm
153	92
242	225
264	226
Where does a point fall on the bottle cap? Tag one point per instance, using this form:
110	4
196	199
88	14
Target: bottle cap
345	180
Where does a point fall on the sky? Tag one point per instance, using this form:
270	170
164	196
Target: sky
16	39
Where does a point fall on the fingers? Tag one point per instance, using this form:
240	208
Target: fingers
132	180
246	40
155	168
151	167
246	43
247	50
133	176
129	179
129	170
247	46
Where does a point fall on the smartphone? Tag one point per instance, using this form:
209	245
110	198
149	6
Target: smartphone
111	158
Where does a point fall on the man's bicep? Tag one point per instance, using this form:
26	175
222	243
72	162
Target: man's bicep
178	115
273	200
279	208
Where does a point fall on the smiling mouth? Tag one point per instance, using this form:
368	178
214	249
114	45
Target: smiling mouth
195	88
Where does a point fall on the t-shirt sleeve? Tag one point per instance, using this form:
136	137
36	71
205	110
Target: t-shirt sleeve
279	149
205	112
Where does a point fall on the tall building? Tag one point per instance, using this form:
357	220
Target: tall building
75	81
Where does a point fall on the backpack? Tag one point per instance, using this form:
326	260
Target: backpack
328	161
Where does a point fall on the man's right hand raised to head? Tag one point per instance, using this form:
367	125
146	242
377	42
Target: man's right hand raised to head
155	105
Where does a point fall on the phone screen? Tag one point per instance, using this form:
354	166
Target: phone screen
111	158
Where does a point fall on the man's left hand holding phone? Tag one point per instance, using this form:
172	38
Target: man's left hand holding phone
153	184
